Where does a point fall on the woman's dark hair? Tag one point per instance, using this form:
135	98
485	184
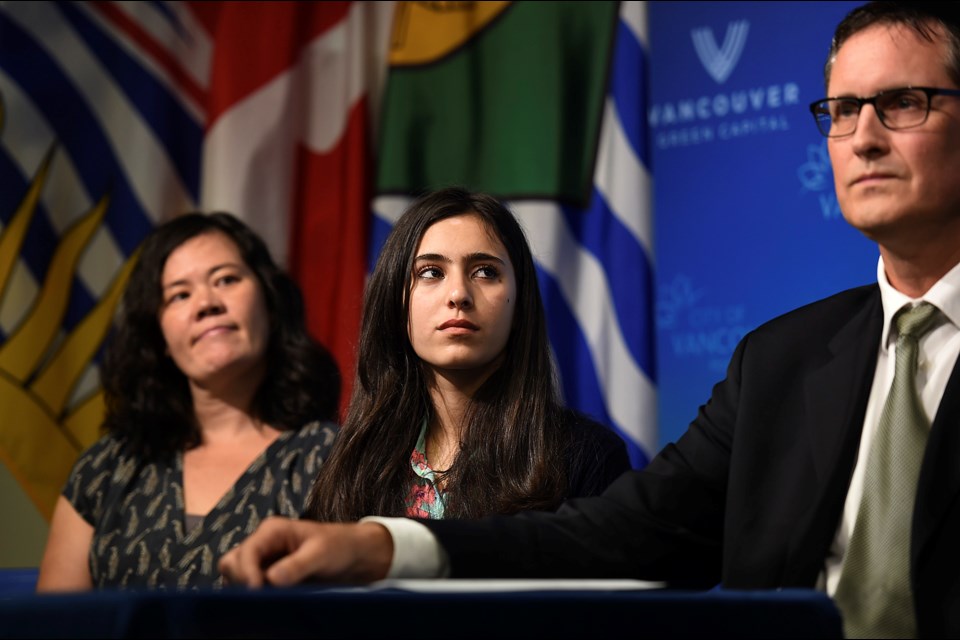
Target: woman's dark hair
924	18
148	398
512	454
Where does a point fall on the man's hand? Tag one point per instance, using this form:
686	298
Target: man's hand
283	552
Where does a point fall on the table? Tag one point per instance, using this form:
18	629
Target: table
433	610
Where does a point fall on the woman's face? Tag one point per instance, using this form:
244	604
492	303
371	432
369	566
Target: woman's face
213	314
462	298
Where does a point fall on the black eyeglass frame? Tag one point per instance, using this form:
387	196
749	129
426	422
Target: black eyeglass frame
872	100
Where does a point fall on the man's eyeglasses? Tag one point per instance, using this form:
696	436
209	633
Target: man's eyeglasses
896	109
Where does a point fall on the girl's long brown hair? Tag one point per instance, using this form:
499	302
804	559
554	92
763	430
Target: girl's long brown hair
513	454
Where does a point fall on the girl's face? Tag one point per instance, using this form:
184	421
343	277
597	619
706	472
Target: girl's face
462	298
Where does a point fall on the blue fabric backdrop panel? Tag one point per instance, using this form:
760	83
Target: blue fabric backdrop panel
747	223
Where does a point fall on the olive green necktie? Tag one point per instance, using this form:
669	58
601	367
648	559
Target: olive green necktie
874	592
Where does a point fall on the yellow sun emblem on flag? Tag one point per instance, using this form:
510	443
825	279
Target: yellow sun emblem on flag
40	435
425	32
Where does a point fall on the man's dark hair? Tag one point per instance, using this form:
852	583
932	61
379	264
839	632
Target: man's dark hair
924	18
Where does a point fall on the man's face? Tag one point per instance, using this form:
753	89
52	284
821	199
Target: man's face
900	188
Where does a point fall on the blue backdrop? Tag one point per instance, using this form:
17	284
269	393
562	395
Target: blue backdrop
747	224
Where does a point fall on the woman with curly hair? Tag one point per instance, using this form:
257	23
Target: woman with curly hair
455	411
219	410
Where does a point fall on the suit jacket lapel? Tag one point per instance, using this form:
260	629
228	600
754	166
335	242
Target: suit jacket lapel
837	393
836	398
939	481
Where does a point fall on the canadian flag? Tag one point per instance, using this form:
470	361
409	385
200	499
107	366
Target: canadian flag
292	96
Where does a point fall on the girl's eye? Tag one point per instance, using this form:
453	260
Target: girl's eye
227	279
486	271
429	273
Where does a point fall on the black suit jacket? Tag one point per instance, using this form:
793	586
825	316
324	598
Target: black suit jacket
751	496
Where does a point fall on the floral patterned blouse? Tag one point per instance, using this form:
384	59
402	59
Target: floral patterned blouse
424	500
596	457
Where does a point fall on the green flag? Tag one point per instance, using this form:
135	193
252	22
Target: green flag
501	97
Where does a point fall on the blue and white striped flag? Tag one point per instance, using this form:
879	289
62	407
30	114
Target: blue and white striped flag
597	264
115	116
98	144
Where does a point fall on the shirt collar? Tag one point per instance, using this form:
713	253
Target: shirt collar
944	294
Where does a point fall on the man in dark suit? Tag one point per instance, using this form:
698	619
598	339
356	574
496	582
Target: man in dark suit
770	484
